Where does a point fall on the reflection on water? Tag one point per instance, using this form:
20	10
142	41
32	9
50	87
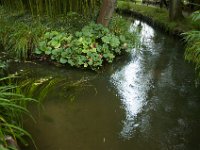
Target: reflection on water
146	32
133	83
132	86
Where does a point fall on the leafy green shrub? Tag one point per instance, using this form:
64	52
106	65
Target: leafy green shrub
192	52
89	48
196	17
20	35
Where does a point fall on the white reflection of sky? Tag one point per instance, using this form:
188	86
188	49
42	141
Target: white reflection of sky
132	84
146	32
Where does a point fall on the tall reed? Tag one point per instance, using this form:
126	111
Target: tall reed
12	106
52	7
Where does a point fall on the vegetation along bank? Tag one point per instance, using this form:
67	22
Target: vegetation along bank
158	17
71	39
185	27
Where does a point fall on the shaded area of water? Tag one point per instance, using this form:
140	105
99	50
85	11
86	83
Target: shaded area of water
144	101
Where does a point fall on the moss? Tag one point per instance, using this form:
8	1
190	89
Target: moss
157	16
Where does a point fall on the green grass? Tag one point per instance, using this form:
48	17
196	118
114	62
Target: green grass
20	32
12	106
24	35
158	16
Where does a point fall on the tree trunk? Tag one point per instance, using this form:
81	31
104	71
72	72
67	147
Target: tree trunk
175	10
106	12
163	2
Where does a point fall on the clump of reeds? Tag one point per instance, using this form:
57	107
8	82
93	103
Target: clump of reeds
52	7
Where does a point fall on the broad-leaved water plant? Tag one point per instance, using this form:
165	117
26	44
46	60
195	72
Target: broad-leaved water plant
89	48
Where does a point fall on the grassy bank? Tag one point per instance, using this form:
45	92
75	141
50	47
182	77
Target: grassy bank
72	39
158	17
188	28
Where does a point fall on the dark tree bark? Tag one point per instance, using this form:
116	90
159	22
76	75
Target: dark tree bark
175	10
163	2
106	12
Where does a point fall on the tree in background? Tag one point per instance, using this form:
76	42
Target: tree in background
163	2
106	12
175	10
193	4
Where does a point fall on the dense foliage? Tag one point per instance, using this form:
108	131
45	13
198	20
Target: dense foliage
70	39
158	17
90	47
12	106
20	33
192	38
52	8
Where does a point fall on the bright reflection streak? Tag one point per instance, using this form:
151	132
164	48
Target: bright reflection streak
133	83
146	32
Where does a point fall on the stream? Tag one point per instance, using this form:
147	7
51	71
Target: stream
146	100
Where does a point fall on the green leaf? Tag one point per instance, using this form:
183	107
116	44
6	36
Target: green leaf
63	60
64	54
90	62
122	38
78	34
53	57
55	44
42	44
55	52
85	51
94	50
48	52
106	39
53	33
37	51
71	62
85	65
114	42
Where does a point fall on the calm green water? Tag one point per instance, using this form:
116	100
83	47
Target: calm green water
144	101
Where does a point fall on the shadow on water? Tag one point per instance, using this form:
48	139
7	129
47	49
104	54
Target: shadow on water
146	102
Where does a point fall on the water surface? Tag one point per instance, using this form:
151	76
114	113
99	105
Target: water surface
144	101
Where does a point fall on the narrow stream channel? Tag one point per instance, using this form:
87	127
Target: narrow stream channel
144	101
